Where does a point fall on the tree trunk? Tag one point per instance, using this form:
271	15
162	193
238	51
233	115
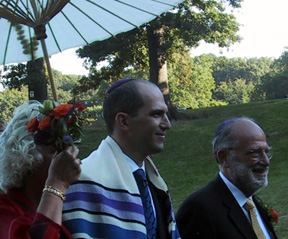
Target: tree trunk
158	65
37	81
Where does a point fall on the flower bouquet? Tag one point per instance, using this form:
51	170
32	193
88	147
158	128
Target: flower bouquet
58	124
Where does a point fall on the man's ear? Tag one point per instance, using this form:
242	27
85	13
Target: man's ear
122	120
223	158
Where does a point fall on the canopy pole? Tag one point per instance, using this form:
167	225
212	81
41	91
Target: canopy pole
49	69
41	35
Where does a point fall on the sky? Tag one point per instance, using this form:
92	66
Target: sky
264	29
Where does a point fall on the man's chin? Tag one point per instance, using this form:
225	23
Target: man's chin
261	183
157	149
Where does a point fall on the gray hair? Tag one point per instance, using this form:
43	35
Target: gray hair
225	137
19	155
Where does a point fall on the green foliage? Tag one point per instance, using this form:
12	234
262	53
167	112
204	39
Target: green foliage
9	100
15	79
94	97
276	86
204	20
236	92
275	83
240	80
64	85
191	82
15	76
182	28
67	82
225	69
232	81
94	112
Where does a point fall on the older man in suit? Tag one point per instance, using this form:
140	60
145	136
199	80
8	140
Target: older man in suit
220	209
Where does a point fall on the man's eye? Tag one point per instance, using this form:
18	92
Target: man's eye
255	152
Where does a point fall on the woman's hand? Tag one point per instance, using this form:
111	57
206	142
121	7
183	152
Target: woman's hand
64	169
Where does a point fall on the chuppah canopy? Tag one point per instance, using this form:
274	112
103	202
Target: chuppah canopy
64	24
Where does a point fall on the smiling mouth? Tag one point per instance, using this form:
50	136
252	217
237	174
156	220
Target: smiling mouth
161	135
261	171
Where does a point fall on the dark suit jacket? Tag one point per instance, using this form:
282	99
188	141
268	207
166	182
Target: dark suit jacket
213	213
162	206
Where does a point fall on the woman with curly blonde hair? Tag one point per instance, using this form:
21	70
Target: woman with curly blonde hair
34	179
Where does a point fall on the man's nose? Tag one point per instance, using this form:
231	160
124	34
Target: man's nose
166	122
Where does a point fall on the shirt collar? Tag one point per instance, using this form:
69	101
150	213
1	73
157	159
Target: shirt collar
132	165
238	194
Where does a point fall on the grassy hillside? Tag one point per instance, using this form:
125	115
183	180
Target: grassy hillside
187	162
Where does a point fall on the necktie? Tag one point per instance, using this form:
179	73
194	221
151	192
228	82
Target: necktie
250	207
146	200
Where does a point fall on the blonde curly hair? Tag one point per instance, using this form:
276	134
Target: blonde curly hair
19	155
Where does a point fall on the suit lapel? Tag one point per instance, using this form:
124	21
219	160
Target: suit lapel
235	212
265	218
159	199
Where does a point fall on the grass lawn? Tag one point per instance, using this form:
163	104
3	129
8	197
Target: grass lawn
187	162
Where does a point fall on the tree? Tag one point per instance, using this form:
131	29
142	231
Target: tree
15	77
251	71
237	91
154	43
9	100
191	81
275	83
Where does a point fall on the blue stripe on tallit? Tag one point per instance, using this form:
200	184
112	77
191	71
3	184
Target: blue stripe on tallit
101	230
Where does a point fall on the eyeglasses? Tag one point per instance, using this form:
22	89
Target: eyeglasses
258	153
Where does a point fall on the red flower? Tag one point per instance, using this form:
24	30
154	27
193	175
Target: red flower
79	106
71	121
61	110
32	125
274	215
60	124
45	124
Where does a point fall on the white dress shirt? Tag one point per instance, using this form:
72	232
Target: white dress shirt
241	200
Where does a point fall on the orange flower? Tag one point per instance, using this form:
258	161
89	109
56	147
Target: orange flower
45	124
60	125
61	110
274	215
32	125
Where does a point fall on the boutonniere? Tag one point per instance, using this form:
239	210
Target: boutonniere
272	214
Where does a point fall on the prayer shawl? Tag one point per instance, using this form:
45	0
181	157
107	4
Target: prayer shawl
106	203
